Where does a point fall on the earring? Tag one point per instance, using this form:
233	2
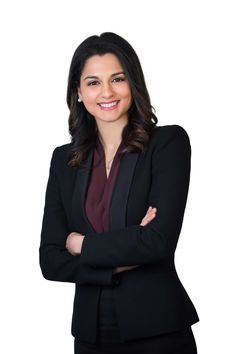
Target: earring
79	100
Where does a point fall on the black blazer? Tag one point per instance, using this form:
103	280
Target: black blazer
149	299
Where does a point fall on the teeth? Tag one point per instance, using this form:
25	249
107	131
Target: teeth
108	104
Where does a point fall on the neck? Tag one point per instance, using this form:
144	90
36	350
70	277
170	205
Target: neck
110	133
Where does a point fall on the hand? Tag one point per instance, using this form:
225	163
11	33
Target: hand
74	243
150	215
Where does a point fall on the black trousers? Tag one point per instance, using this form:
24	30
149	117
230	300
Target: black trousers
181	342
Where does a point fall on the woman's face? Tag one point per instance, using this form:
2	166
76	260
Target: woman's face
104	89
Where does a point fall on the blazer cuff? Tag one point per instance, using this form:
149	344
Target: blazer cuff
96	275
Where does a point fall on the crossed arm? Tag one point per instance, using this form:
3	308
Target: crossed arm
75	240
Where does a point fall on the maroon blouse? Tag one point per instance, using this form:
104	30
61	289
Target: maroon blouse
100	188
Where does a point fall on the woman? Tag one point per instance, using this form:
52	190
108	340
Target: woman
114	208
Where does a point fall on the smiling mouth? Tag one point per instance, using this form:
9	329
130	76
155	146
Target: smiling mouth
108	105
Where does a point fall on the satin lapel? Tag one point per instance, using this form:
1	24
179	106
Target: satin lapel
121	190
81	222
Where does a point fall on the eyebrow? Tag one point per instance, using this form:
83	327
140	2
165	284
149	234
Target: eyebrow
96	77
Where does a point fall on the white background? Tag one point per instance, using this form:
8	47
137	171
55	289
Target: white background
187	51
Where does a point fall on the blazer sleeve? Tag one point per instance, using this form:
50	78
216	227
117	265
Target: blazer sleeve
155	242
55	261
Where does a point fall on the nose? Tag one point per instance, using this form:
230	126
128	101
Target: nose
107	91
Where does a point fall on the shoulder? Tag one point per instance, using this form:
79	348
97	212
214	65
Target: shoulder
169	134
62	149
169	131
60	154
170	149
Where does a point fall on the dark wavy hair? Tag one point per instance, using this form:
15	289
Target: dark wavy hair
82	125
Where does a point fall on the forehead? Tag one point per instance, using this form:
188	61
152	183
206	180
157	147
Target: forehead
101	64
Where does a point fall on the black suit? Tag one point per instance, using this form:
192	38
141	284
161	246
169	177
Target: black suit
149	299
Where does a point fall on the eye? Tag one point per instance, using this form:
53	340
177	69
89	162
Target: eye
92	83
119	79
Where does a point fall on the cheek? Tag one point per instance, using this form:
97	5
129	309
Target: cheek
127	92
128	96
90	97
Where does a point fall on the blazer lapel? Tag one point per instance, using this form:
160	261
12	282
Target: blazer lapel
79	217
121	191
119	199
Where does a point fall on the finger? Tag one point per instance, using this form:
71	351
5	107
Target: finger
151	214
151	210
149	218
